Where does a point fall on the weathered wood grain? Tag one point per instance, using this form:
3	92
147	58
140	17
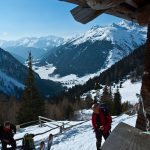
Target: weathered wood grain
125	137
85	14
103	4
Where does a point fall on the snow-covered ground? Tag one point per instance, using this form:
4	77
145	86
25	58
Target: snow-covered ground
128	91
45	72
79	137
83	138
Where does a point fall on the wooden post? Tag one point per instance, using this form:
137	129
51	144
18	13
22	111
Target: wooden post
145	90
63	126
61	129
18	127
40	121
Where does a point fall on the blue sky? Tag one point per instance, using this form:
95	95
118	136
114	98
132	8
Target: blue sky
25	18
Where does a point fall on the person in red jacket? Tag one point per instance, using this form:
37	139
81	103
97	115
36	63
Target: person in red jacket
101	124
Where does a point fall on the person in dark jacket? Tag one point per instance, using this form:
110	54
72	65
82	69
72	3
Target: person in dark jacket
7	132
50	141
101	124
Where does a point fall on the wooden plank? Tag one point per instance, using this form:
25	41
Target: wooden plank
145	90
125	137
141	2
143	15
85	15
132	3
104	4
124	12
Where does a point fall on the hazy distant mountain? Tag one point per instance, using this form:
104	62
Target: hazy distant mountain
38	46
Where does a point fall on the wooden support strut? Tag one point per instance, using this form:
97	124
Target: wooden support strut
77	2
85	14
143	15
145	90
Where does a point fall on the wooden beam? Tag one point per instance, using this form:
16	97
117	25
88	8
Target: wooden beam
103	4
132	3
141	3
123	12
145	90
143	15
85	15
77	2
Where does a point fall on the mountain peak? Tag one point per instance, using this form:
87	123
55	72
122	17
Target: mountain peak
128	24
96	27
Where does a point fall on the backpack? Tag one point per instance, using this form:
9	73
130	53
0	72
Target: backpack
105	109
28	142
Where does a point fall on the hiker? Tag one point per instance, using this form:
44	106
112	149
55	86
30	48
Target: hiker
28	142
101	124
42	145
6	135
50	140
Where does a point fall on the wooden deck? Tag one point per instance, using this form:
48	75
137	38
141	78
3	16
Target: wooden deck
125	137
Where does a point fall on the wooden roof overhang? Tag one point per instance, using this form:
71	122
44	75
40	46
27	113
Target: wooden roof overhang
133	10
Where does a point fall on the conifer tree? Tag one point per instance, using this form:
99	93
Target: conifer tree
107	98
88	101
32	105
117	103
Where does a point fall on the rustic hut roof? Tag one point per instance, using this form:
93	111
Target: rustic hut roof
133	10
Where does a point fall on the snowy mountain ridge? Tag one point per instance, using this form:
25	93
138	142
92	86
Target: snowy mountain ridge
115	32
37	45
36	42
125	36
93	51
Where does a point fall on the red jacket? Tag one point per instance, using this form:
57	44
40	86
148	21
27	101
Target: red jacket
105	121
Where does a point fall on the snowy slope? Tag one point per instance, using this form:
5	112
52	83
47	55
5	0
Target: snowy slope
86	55
80	137
83	138
126	36
9	85
45	72
128	91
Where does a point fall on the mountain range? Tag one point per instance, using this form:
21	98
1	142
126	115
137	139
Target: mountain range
69	62
38	46
91	52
